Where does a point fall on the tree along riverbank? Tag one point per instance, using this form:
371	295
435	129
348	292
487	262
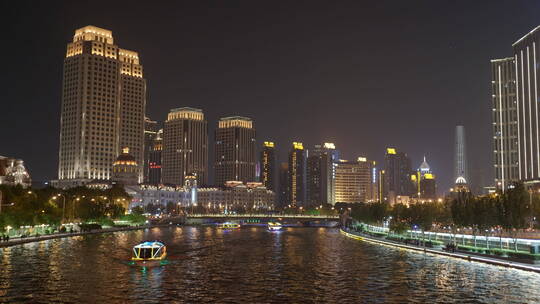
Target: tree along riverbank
31	239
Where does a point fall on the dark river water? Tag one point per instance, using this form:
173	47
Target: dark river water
250	265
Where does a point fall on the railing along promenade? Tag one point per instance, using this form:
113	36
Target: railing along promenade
290	216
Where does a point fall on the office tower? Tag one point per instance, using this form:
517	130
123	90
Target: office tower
268	165
460	157
397	175
320	174
284	196
424	182
150	132
235	150
103	106
354	183
505	123
155	163
526	67
297	175
185	146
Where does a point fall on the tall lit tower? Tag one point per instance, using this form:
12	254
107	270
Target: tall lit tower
103	106
460	156
320	174
235	150
268	165
526	55
150	133
505	121
397	171
297	175
185	146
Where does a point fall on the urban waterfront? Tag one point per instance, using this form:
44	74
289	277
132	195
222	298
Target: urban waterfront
250	265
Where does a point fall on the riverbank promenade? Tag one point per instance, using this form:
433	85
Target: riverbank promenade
439	251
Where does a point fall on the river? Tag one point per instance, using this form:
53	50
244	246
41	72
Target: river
250	265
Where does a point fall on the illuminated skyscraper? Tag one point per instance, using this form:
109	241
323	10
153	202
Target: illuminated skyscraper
354	183
424	182
460	157
320	174
284	197
103	106
505	123
268	165
235	150
155	161
526	58
297	175
150	133
185	147
397	172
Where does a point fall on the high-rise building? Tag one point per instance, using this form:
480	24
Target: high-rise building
284	197
460	156
235	150
505	123
424	182
527	82
185	146
354	181
320	174
103	106
154	174
268	165
297	175
150	132
397	173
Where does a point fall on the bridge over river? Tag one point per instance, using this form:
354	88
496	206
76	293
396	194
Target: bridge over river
286	219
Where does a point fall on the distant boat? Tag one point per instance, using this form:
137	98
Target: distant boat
149	253
229	225
274	226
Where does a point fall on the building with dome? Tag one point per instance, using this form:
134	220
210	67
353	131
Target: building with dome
424	182
13	172
125	169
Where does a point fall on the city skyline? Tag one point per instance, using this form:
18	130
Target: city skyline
348	133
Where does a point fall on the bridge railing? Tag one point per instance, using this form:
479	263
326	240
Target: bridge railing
301	216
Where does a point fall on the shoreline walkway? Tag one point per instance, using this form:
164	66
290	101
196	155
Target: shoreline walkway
32	239
469	257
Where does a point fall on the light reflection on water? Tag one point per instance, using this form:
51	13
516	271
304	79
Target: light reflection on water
250	265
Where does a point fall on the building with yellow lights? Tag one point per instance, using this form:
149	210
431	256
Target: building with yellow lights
155	159
297	175
268	165
103	106
235	150
185	146
125	169
424	182
397	172
354	181
150	134
320	174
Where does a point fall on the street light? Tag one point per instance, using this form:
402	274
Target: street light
63	204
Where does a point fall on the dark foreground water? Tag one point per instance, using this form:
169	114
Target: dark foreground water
250	265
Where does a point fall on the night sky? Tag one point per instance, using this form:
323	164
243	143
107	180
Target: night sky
362	75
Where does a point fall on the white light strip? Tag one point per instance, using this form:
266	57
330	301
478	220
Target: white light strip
530	111
536	103
501	127
517	110
524	119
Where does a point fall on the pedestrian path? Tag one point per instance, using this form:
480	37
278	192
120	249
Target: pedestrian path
31	239
469	257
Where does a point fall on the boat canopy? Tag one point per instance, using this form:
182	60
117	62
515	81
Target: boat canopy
148	250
